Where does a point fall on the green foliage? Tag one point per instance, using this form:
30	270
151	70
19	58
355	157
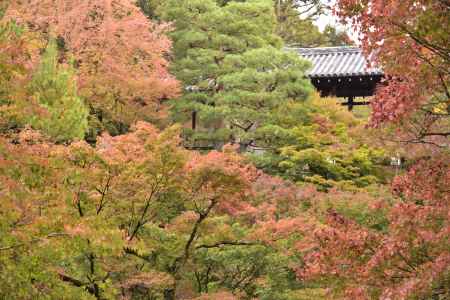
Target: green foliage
3	6
54	88
323	148
232	65
295	25
335	37
149	7
237	268
12	67
293	22
302	33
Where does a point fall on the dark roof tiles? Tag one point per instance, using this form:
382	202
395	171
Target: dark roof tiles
337	62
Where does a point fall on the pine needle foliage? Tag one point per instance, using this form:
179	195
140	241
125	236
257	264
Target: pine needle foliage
61	112
233	66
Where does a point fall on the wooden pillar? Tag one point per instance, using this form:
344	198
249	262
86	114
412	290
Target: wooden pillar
194	120
350	103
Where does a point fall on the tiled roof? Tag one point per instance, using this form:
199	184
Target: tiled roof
337	62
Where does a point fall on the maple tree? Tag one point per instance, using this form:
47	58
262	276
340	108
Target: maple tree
137	216
320	142
14	69
96	223
410	39
119	52
407	258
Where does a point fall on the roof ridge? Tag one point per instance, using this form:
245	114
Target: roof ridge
323	47
337	61
328	50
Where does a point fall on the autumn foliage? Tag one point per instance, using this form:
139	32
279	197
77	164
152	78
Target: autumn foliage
410	40
119	52
100	199
96	214
408	257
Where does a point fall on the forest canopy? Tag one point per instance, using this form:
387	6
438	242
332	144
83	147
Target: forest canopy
175	150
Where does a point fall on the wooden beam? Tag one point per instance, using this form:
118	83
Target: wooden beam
344	87
194	120
350	103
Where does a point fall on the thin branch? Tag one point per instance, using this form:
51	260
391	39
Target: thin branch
442	52
444	134
51	235
73	281
78	283
247	128
447	92
141	222
103	193
408	263
416	141
193	234
228	243
186	253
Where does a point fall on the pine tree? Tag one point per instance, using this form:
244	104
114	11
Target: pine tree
61	112
295	24
233	67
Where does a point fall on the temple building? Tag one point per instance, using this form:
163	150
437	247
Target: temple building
342	72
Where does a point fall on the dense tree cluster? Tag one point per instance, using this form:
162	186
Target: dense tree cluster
411	42
233	67
101	198
410	259
119	53
320	142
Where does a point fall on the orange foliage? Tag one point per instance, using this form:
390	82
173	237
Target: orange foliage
120	53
